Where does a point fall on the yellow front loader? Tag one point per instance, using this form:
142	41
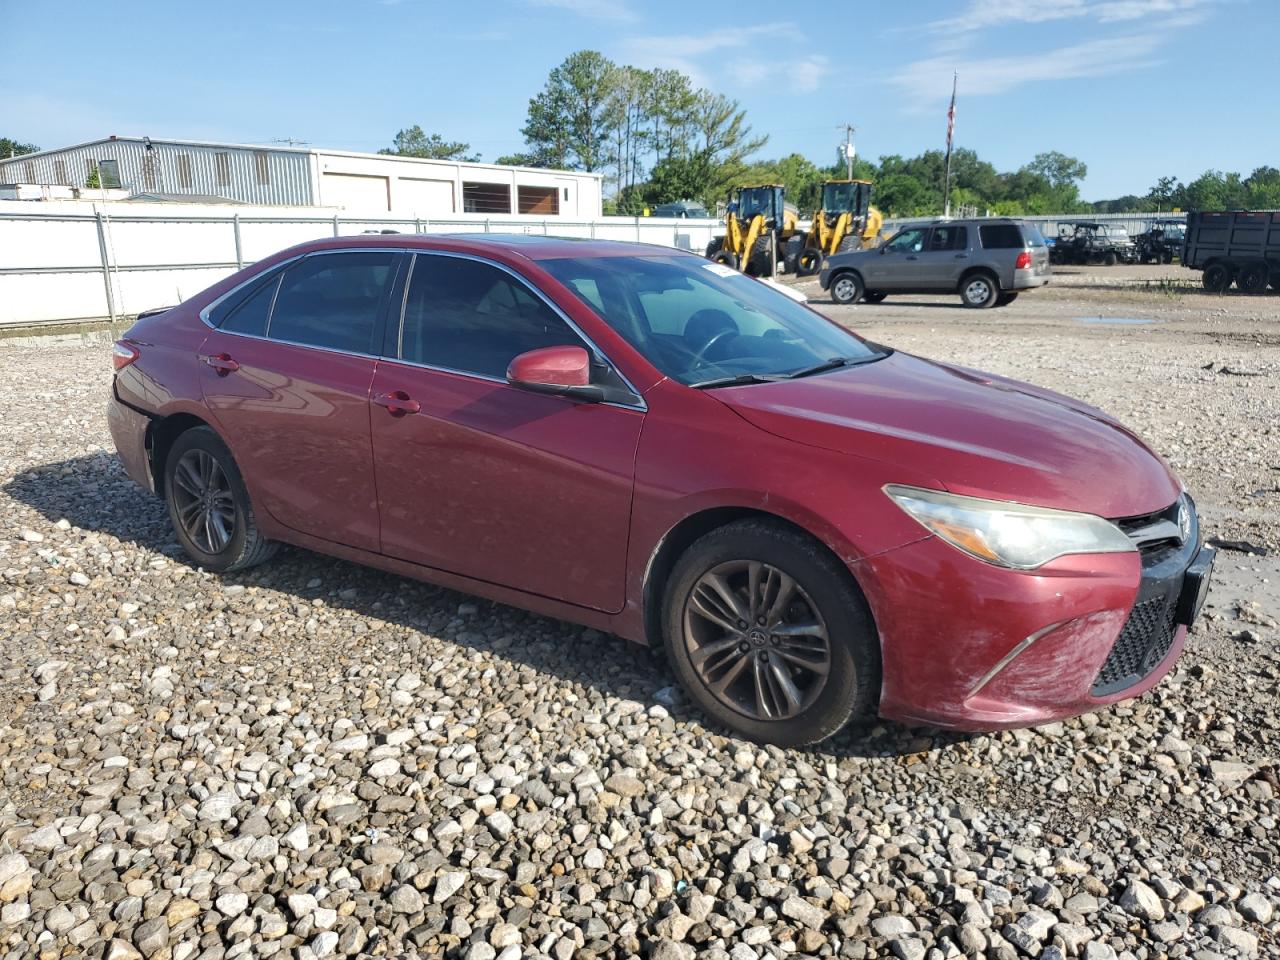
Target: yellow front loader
846	221
758	225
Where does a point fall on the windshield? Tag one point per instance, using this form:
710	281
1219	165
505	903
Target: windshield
755	201
1120	233
839	197
699	322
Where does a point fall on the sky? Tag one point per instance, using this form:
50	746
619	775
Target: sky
1138	89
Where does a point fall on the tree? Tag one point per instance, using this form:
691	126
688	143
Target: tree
413	142
1057	168
1262	189
569	122
13	148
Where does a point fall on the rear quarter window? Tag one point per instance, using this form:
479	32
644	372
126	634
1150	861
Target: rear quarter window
1001	236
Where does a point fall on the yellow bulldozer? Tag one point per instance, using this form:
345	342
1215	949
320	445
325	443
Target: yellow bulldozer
846	221
760	225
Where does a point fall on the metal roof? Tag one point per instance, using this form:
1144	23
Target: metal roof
284	148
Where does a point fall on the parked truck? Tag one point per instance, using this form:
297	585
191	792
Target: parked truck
1234	246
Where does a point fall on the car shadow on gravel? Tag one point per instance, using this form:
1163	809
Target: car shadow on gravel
93	493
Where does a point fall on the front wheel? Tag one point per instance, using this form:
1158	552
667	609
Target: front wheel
979	291
769	635
1109	258
846	288
209	505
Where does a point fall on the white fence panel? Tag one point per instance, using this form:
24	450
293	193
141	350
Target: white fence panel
72	262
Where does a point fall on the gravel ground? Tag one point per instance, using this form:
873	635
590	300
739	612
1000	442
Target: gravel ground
313	759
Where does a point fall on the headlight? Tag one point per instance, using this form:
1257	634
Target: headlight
1009	534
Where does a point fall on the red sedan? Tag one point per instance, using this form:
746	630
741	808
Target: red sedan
813	526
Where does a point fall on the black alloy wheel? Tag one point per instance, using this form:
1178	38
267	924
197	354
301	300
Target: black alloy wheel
203	501
209	504
769	634
756	640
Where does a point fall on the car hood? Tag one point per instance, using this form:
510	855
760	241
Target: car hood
978	434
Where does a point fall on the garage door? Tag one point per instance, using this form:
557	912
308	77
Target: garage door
424	198
353	192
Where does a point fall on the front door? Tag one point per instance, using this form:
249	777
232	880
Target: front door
895	266
286	375
490	481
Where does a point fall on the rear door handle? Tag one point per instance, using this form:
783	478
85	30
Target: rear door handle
222	363
398	403
913	258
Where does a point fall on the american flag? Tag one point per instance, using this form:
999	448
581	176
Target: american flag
951	115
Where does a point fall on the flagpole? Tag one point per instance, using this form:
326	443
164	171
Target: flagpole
951	127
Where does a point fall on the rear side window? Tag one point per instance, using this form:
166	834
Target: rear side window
472	317
1001	236
332	300
949	238
251	314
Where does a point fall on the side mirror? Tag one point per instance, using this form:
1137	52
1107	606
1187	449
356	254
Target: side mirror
562	370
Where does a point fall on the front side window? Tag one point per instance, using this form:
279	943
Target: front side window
699	322
332	300
475	318
908	241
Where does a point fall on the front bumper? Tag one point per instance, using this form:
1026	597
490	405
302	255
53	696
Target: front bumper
970	646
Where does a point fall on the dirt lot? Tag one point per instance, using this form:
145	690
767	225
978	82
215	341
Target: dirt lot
313	759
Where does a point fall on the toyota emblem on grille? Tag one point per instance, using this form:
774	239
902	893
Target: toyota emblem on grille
1184	520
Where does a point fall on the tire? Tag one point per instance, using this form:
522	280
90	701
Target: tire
824	597
846	287
230	540
726	257
760	260
1167	257
1253	278
852	242
1217	277
1006	298
794	250
810	262
873	296
1109	258
714	247
979	291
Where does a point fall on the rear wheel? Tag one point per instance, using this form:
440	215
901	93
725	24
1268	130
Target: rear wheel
979	291
1217	277
846	288
1167	257
1109	258
209	505
1253	278
769	635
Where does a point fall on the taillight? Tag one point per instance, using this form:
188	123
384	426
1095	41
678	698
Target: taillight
123	354
1024	261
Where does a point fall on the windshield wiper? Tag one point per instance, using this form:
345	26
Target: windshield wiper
736	380
835	363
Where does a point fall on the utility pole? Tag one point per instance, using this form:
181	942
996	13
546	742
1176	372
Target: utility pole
848	150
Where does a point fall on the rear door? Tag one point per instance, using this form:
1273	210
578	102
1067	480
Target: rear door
286	375
897	265
480	478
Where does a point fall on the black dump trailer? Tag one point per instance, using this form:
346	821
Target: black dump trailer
1234	246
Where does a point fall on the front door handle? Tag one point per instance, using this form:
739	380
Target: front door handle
222	364
398	403
962	256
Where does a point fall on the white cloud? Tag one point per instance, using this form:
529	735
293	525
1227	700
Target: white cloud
981	14
929	80
689	53
611	10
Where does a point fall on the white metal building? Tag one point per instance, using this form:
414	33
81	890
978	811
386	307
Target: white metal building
361	183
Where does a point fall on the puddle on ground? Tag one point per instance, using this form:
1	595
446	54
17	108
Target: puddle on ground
1123	321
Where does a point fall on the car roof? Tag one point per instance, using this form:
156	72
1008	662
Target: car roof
523	245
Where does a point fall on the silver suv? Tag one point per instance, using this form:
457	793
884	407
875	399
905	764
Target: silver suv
988	262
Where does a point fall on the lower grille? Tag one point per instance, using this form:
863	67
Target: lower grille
1144	642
